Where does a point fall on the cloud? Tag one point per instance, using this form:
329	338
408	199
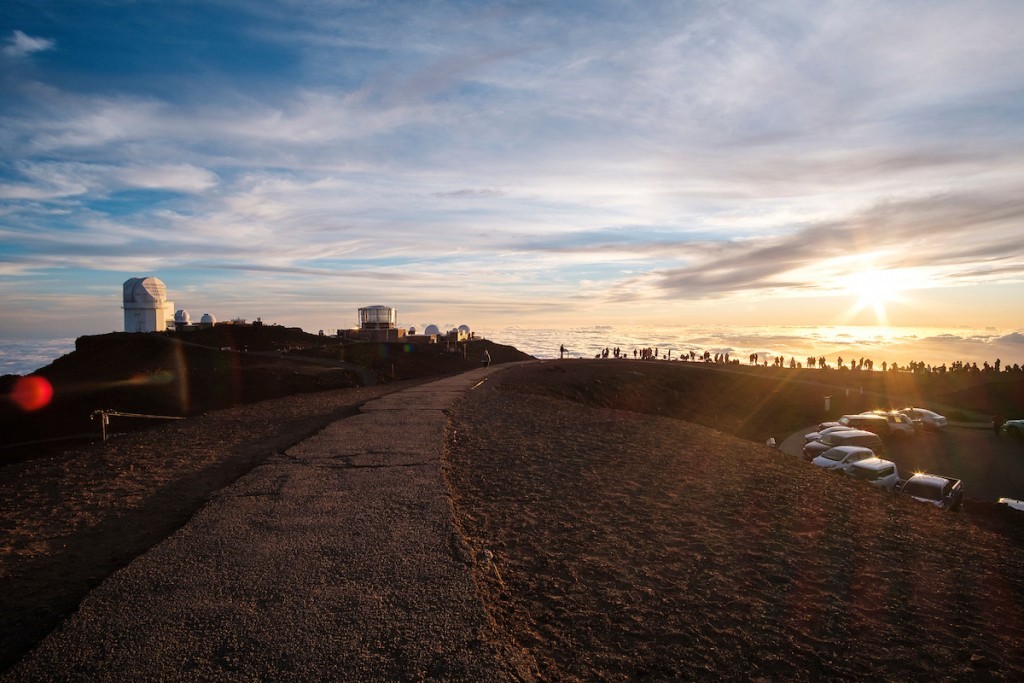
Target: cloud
56	180
472	193
912	234
22	45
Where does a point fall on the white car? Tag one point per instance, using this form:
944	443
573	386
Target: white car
848	437
876	472
1012	502
1014	427
841	458
899	423
816	436
928	419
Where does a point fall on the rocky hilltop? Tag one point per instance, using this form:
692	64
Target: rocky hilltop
189	373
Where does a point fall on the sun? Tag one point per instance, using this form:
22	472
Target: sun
874	289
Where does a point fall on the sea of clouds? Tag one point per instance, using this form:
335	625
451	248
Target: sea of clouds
900	345
23	356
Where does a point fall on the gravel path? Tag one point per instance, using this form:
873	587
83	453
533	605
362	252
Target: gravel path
336	560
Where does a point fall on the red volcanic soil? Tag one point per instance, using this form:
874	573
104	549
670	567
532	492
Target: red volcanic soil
632	545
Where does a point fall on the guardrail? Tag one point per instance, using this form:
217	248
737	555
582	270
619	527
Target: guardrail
105	415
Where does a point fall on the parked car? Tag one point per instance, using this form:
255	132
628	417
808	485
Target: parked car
869	423
942	492
815	436
1012	502
850	437
875	471
841	457
899	424
1013	427
928	419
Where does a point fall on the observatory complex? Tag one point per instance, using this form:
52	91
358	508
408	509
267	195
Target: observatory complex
379	324
146	308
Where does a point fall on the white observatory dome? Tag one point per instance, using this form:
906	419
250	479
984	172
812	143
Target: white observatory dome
208	319
432	329
144	290
182	317
464	329
146	308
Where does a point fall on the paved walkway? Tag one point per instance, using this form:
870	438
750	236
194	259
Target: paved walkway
337	560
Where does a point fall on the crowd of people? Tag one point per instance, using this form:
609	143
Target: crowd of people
781	361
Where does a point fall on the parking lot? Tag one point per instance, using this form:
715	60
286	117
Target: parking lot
990	467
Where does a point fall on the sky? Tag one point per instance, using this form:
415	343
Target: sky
513	163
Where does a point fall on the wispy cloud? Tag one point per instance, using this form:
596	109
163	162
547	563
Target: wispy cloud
20	44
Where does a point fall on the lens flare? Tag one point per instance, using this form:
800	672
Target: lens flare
32	393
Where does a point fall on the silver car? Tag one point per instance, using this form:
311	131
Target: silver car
849	437
1013	427
816	436
927	419
876	472
841	458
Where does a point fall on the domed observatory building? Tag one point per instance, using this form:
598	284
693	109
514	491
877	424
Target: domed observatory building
145	304
182	319
377	318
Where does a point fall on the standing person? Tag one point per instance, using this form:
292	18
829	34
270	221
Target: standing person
997	423
487	358
561	352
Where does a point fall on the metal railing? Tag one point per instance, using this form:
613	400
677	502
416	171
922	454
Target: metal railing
105	415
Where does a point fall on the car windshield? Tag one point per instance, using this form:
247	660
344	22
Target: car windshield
920	489
834	454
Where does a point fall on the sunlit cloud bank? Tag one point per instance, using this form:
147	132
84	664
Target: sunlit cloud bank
888	345
508	163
